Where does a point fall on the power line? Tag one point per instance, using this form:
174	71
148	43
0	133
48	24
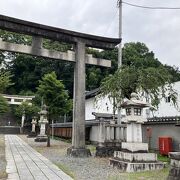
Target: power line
151	7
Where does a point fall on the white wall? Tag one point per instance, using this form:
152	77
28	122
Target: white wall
98	105
104	105
167	108
90	107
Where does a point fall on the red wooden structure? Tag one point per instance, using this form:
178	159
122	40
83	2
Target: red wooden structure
165	145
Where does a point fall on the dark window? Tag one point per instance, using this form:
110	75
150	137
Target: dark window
128	111
168	99
137	111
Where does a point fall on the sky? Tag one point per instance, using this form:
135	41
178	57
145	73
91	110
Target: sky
158	29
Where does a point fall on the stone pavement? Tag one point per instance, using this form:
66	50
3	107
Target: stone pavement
24	163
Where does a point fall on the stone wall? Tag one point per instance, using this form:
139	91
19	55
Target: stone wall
6	118
9	130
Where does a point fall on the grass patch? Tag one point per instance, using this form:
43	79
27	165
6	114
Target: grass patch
66	170
146	175
163	158
61	139
92	148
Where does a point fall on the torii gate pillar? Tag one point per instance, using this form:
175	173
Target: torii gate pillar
78	137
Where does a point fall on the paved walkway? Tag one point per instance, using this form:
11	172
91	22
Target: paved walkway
24	163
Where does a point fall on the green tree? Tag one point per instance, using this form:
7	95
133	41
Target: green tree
54	95
152	81
138	55
5	80
30	110
4	106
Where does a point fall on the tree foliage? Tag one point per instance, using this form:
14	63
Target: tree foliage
4	106
54	95
154	82
27	70
27	109
5	80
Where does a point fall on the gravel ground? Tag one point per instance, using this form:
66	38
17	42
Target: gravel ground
92	168
2	158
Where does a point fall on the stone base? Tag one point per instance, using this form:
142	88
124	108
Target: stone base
74	152
135	147
136	167
174	173
135	157
41	138
135	162
32	135
107	151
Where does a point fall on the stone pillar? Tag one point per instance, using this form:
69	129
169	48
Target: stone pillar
112	122
33	125
101	132
108	134
78	135
174	173
117	133
22	122
37	42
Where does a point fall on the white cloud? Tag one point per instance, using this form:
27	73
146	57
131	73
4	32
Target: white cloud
159	30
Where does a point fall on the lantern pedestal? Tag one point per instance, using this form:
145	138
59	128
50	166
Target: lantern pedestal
42	137
135	165
135	147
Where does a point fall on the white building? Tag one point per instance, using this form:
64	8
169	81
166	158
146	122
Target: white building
97	105
166	106
105	106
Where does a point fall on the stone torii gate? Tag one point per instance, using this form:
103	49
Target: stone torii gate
80	41
18	100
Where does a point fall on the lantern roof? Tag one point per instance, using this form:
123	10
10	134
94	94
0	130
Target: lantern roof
134	101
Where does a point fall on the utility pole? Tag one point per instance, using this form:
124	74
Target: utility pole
120	34
119	3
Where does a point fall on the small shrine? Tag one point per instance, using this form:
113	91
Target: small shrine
134	155
42	137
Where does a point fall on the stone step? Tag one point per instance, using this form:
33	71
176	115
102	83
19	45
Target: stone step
135	157
135	167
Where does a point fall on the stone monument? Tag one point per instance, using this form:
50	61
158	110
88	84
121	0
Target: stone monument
42	137
33	131
134	155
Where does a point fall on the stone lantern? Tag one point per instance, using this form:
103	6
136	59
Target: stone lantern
134	155
33	131
134	120
42	137
34	122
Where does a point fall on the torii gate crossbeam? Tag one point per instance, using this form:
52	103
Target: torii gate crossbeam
80	40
